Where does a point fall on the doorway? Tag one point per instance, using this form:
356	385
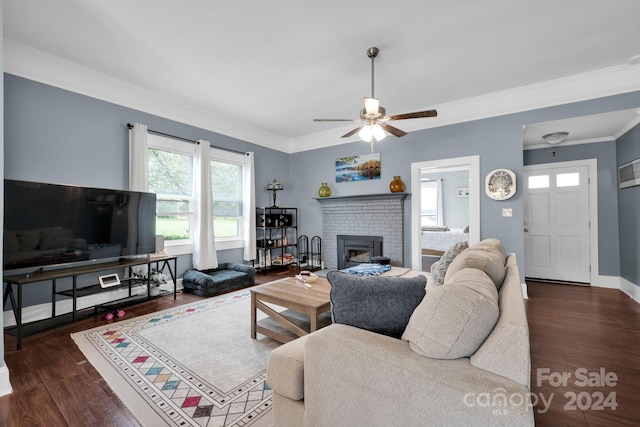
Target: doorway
470	163
560	221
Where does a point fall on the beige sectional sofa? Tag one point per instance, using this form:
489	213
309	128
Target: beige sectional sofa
438	374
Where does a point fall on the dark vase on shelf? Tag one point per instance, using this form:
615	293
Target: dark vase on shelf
396	186
324	190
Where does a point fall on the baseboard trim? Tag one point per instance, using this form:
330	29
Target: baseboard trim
620	283
630	289
43	311
5	385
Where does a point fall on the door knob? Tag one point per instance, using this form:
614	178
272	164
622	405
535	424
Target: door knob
526	230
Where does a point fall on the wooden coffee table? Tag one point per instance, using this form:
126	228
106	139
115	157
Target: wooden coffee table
307	309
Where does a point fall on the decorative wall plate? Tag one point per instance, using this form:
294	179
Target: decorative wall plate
500	184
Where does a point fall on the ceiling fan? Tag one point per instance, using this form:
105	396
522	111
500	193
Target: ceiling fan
374	116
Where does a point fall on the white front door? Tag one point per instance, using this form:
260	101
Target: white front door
556	223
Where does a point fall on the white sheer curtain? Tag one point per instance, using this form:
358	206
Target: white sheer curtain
204	242
249	208
439	214
138	176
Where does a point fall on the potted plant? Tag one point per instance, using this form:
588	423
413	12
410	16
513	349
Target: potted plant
156	278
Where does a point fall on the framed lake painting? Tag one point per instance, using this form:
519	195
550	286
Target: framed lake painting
358	168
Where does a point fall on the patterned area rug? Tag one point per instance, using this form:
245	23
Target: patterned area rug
195	365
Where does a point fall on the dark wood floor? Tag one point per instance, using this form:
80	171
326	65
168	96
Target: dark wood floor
583	330
571	327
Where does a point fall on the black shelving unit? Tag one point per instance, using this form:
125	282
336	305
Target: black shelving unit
277	238
19	281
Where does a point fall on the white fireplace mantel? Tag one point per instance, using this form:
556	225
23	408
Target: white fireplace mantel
379	196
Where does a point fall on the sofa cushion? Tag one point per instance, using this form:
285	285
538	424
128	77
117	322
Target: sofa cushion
506	350
379	304
285	373
454	320
439	268
487	255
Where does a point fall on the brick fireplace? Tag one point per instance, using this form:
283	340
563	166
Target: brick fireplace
376	215
354	250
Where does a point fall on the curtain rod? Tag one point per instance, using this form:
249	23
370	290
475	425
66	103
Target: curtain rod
130	126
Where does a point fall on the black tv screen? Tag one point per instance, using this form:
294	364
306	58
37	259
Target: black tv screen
47	224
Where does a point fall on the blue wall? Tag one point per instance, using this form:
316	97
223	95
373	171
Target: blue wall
627	150
53	135
58	136
498	142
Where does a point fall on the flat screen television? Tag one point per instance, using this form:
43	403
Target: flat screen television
51	224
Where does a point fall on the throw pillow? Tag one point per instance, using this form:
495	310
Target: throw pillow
487	255
439	268
454	320
378	304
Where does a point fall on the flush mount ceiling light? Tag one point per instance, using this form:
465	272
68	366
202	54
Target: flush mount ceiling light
555	138
374	116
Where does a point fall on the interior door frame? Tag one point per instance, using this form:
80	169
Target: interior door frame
592	174
470	162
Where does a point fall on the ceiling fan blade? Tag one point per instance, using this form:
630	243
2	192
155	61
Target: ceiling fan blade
416	115
353	132
392	130
336	120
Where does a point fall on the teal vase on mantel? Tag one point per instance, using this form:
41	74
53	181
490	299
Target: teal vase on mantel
324	190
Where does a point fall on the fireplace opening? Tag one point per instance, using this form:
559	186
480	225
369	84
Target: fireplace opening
354	250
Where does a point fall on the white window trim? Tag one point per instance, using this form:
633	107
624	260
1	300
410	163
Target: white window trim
185	247
236	159
175	247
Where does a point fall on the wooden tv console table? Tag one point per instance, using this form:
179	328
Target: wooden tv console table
160	263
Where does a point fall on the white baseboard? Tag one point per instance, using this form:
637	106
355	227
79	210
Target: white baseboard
5	385
630	289
616	282
43	311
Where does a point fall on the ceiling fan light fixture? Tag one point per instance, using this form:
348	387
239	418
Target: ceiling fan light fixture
366	133
555	138
371	106
378	132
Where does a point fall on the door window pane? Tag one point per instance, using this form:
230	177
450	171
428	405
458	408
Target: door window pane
539	181
568	179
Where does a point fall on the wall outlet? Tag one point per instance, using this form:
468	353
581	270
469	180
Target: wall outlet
507	212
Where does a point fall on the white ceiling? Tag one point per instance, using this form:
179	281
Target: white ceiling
263	70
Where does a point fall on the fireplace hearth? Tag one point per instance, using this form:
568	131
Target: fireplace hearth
354	250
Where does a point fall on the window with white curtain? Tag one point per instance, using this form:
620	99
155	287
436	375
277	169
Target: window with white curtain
227	189
171	177
170	169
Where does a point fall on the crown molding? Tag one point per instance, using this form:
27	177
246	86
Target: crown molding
567	143
580	87
36	65
633	123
